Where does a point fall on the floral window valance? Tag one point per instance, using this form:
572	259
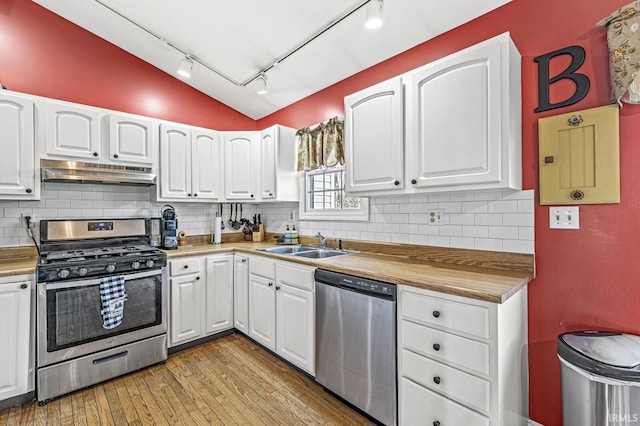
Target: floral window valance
623	38
322	146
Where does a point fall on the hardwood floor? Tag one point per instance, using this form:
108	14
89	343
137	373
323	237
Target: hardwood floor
229	381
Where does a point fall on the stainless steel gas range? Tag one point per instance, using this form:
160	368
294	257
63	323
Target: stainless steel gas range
101	303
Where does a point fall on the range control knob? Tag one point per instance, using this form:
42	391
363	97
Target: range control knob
135	264
150	263
63	273
82	271
111	268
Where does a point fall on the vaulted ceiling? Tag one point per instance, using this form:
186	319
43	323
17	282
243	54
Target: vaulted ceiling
232	42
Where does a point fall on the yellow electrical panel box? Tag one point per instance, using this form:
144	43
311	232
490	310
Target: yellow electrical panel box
580	157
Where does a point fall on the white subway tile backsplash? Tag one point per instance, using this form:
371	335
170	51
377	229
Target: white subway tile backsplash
494	220
518	246
463	219
491	244
475	231
462	242
475	207
450	208
504	232
517	219
510	206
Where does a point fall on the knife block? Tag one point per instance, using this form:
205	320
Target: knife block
259	234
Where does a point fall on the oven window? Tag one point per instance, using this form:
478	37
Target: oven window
74	314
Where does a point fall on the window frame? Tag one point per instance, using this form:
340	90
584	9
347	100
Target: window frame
361	214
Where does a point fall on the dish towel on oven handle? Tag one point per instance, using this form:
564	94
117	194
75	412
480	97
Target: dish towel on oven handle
112	298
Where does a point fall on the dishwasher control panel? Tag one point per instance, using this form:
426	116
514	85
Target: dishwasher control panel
375	287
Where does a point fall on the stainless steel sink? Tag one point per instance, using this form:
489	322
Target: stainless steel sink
309	252
288	249
321	253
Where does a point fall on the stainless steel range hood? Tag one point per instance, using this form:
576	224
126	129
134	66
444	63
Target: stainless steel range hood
81	172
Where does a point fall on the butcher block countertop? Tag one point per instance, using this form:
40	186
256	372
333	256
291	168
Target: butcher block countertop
482	275
18	261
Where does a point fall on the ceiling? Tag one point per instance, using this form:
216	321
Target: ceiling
238	39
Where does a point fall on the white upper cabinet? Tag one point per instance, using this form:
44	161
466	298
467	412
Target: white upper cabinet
461	126
207	168
374	138
240	164
17	162
131	139
190	164
175	162
72	130
461	122
278	179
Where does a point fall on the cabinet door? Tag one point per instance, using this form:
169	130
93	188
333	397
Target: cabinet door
268	167
186	319
454	119
295	335
219	293
130	139
239	149
175	162
72	131
15	309
206	165
374	138
241	294
580	157
17	162
262	311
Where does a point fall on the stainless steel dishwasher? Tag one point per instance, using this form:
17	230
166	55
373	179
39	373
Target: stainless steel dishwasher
356	342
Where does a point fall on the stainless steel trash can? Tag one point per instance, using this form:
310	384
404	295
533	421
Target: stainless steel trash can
600	374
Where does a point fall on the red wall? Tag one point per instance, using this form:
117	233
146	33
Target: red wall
586	279
43	54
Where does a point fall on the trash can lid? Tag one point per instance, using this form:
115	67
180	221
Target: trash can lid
605	353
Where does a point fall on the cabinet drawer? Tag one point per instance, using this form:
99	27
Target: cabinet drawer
460	317
295	276
449	348
184	266
469	390
420	406
262	268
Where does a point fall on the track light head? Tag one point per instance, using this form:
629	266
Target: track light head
261	84
374	14
186	65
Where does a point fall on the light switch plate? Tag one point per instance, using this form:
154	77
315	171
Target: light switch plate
564	217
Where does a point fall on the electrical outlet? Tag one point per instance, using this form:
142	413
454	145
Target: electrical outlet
23	220
435	216
564	217
291	215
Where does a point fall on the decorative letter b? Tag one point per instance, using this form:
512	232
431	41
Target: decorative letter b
581	81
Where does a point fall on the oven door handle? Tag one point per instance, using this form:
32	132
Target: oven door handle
96	281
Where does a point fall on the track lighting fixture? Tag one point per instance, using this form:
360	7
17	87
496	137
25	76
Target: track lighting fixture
186	65
374	14
261	83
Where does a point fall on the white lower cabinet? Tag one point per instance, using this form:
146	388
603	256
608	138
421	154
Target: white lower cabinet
241	293
295	315
460	361
16	361
201	293
219	293
282	311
